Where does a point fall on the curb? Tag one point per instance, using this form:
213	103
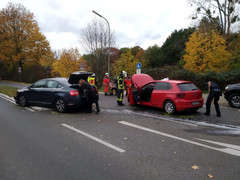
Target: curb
6	97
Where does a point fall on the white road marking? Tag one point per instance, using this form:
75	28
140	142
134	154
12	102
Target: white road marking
162	118
3	96
231	146
11	100
27	108
95	139
194	123
227	150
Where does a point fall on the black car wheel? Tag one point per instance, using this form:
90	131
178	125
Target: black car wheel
60	105
169	107
22	101
234	100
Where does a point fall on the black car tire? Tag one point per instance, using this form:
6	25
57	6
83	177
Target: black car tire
234	100
61	105
22	101
169	107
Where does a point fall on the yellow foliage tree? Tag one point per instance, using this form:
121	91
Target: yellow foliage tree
128	62
206	52
21	39
69	62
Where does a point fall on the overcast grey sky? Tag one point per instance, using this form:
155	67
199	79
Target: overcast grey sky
135	22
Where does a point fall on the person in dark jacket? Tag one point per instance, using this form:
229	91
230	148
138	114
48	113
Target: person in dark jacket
120	88
214	92
90	93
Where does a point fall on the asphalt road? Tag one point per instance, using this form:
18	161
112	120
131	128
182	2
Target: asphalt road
119	143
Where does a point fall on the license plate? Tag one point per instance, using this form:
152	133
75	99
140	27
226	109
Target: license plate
195	103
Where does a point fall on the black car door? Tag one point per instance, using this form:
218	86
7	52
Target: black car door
47	93
33	95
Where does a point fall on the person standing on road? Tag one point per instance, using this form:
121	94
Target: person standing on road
214	92
120	88
90	93
106	83
128	83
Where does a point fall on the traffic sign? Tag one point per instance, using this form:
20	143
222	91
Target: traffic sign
19	70
82	66
139	65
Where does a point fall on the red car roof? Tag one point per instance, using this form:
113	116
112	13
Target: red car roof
174	81
143	79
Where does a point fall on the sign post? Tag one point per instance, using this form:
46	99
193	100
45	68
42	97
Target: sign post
139	68
82	66
19	72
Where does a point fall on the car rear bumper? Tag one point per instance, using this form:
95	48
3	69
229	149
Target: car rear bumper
182	104
75	101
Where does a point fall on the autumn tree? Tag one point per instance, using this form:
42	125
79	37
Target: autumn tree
114	55
68	62
172	49
206	52
22	42
124	50
225	11
234	47
94	38
128	61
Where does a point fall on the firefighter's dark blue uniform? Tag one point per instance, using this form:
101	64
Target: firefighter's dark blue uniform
120	88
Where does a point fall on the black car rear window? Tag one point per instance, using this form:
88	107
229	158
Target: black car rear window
187	87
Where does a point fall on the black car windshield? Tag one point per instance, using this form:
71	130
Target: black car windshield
187	87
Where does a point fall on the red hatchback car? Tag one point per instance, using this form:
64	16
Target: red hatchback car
171	95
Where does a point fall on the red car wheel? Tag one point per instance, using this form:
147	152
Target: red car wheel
169	107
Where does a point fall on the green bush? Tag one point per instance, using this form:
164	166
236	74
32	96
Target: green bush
174	72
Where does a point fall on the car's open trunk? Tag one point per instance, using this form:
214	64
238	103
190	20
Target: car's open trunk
76	76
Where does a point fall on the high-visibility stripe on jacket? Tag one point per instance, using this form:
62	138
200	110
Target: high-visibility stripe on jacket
91	81
120	83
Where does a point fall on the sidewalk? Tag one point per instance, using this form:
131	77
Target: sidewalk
14	84
222	101
230	116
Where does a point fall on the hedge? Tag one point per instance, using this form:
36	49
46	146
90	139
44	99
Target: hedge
173	72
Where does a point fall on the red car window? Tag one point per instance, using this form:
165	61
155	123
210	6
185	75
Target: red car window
163	86
187	87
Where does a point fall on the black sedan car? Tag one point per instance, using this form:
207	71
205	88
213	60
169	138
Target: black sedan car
58	93
232	95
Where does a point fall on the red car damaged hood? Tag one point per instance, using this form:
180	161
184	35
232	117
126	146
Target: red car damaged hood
142	79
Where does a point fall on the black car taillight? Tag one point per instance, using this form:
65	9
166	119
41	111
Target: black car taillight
180	95
74	93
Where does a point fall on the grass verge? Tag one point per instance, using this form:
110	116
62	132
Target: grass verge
10	91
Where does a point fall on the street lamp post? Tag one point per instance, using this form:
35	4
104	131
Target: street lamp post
108	39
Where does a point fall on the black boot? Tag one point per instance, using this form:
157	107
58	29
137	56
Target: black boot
121	104
207	114
98	111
